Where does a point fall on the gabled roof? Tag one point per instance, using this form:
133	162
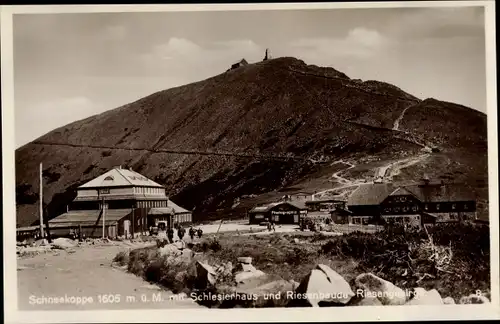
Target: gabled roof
441	193
265	208
118	177
401	191
370	194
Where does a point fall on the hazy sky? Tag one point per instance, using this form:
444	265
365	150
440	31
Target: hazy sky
70	66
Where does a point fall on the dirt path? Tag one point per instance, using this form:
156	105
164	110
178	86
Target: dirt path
396	167
337	176
88	273
398	120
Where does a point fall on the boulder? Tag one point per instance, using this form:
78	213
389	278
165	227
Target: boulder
369	301
187	254
369	285
180	245
424	297
448	301
241	277
169	250
323	286
248	267
263	291
474	299
225	270
205	275
63	243
245	260
295	284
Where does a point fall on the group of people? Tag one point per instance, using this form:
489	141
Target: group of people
181	231
271	226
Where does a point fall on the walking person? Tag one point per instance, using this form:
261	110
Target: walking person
200	232
180	232
191	233
170	235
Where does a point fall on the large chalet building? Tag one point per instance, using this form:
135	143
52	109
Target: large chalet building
415	204
127	203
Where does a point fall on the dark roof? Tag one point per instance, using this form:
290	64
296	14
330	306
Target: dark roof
374	194
88	217
319	201
170	209
401	191
441	193
370	194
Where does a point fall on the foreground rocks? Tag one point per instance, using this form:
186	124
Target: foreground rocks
369	285
243	285
323	286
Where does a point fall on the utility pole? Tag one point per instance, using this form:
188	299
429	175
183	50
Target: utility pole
103	218
41	201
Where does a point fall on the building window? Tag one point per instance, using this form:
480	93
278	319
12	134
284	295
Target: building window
466	206
108	178
414	208
437	206
405	209
104	191
426	207
454	206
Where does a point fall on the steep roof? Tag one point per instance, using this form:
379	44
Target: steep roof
401	191
118	177
441	193
370	194
265	208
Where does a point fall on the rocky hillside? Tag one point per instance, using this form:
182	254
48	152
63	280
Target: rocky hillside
248	131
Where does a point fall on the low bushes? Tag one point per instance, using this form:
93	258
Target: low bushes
451	258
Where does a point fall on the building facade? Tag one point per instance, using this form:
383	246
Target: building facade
127	203
417	204
283	212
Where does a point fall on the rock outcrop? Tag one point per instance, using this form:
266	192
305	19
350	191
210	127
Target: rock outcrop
424	297
369	285
321	287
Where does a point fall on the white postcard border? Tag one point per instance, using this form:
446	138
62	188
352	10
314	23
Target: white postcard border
368	313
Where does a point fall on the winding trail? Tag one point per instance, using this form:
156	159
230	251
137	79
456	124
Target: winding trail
384	173
398	120
337	176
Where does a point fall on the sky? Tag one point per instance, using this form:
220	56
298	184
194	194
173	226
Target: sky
71	66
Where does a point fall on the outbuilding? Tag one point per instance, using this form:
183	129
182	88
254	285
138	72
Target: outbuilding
284	212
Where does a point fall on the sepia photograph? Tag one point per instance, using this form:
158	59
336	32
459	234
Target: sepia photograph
201	158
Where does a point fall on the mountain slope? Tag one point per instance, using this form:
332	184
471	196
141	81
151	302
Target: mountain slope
251	130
